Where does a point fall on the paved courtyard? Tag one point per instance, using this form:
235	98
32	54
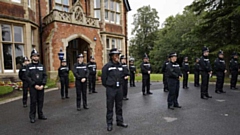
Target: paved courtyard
146	115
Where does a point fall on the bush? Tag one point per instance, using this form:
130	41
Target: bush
5	90
71	76
99	73
50	83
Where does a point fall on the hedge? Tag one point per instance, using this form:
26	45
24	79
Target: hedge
5	90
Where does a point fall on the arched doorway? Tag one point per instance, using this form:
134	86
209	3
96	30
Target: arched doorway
74	48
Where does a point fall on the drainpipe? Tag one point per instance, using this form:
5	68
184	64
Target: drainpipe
40	31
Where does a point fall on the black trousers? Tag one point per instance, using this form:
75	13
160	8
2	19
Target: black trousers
220	81
36	101
165	81
81	90
196	78
91	83
146	83
205	83
234	77
25	92
114	96
64	86
132	79
185	79
173	86
125	88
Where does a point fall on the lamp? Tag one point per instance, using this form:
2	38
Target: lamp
60	54
95	39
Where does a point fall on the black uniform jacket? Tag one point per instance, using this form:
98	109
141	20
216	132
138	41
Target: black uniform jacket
92	68
111	74
173	70
204	64
164	67
185	67
145	67
196	67
36	74
22	73
219	65
132	68
63	71
80	71
233	65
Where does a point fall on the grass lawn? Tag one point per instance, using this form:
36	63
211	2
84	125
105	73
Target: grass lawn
158	78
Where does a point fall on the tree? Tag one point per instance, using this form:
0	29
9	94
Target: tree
145	26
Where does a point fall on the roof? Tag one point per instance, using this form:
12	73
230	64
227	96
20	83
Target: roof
127	5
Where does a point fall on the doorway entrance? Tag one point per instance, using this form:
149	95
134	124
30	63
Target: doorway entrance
74	48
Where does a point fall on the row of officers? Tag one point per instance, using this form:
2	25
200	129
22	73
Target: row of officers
115	75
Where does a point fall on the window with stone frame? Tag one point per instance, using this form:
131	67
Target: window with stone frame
12	47
97	9
62	5
112	11
113	43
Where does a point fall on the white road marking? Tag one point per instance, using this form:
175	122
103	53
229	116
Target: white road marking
169	119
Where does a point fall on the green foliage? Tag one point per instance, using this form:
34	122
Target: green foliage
5	90
99	73
71	76
50	83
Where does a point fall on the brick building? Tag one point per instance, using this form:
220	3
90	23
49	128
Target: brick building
91	27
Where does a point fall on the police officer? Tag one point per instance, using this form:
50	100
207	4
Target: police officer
164	71
22	76
234	69
92	67
132	69
63	72
112	79
196	72
174	74
126	76
80	72
146	71
185	68
37	78
206	72
220	68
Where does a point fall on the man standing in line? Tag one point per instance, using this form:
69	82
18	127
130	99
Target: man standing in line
220	68
206	72
185	68
37	79
112	80
63	72
126	75
196	72
164	71
22	76
234	69
174	75
92	66
80	72
146	71
132	69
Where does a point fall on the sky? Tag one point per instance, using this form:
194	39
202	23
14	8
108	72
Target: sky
165	9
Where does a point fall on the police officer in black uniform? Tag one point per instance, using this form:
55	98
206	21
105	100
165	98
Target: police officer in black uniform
80	72
63	72
146	71
185	68
164	71
126	76
196	72
234	69
92	67
132	69
112	79
206	72
174	74
37	79
220	68
22	76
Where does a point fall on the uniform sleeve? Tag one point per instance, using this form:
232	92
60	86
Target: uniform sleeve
59	72
87	72
75	72
104	75
20	74
163	67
